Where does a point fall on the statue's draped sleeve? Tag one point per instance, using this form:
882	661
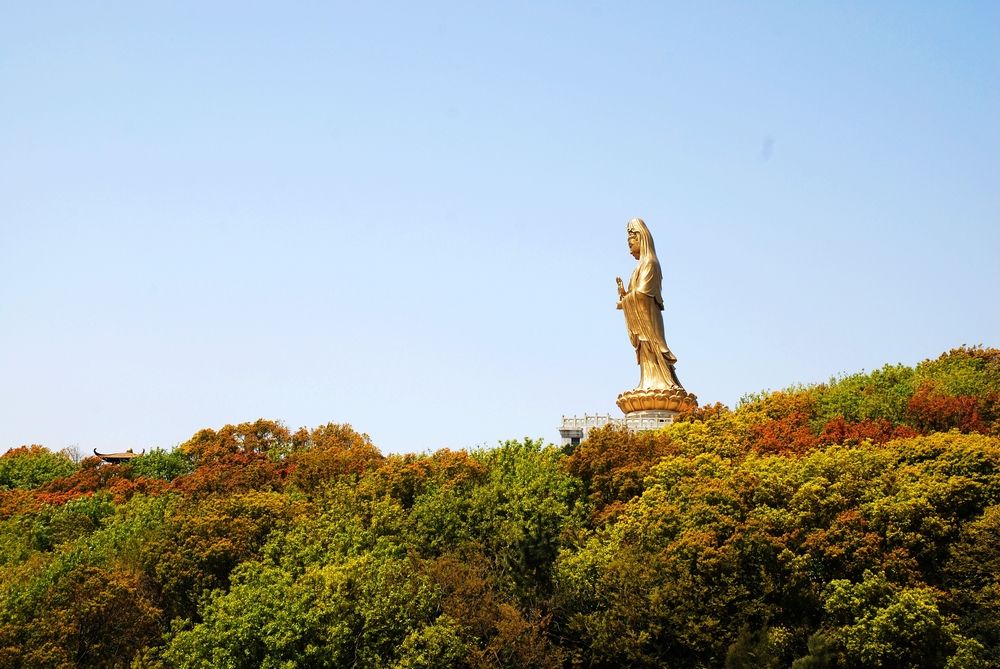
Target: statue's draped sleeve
642	305
648	280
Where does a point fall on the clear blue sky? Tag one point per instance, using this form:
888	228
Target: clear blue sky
410	216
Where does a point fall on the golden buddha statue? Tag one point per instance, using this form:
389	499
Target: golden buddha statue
658	389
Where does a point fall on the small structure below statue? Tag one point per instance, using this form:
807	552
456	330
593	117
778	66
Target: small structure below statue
659	397
574	429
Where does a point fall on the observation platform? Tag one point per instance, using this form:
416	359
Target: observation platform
574	429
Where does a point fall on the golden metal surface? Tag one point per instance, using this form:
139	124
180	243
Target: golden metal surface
642	304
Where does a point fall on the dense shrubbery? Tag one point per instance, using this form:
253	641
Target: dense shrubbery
849	524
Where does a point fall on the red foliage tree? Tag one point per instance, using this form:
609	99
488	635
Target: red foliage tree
932	411
232	473
93	475
790	434
879	431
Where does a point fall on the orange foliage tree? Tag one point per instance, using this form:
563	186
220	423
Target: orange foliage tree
232	473
328	452
405	477
260	436
613	464
87	617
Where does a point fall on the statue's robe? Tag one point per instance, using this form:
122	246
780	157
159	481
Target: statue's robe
643	305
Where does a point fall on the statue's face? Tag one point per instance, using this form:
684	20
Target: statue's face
633	243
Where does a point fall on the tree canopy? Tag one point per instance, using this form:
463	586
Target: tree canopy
854	523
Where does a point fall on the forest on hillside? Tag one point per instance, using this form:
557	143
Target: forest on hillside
854	523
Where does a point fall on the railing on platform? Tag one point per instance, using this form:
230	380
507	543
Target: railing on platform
575	428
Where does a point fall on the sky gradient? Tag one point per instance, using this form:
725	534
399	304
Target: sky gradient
410	218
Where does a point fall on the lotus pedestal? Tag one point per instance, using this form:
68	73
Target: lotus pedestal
650	409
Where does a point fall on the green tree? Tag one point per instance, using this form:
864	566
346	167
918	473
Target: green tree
161	464
367	611
875	623
973	575
435	646
521	512
32	466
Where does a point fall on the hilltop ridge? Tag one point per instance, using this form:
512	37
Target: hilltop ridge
853	523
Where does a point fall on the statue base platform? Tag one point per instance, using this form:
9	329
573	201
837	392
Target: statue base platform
652	419
673	401
575	429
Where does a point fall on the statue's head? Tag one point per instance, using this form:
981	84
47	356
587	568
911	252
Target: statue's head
640	242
